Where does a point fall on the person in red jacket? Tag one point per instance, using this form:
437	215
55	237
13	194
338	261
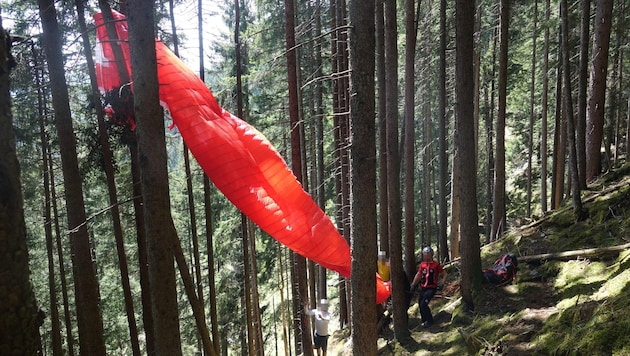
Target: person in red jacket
427	278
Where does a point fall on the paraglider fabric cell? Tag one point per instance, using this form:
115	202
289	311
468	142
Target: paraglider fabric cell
238	159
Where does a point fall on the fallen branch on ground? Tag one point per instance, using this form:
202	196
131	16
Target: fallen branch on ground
567	255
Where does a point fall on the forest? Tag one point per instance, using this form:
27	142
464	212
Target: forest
459	125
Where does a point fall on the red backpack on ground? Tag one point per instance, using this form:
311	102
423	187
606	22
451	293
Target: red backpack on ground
503	270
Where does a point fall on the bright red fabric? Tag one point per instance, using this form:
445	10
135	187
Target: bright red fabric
238	159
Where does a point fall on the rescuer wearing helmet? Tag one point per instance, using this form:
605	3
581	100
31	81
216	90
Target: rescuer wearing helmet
427	278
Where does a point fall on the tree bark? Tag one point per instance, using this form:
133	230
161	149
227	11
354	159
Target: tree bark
443	249
383	222
154	177
409	141
532	86
363	156
87	295
559	142
580	122
465	144
544	117
582	253
597	89
498	214
567	104
111	185
48	205
301	325
20	321
393	175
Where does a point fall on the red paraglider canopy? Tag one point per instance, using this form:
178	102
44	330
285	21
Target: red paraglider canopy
238	159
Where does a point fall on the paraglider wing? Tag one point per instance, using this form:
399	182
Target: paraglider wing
238	159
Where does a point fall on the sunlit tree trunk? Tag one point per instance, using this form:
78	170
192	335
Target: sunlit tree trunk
597	89
488	82
87	295
442	133
409	141
616	99
498	214
532	86
544	118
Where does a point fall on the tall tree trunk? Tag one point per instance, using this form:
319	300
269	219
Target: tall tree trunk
319	128
489	150
409	141
383	222
567	104
597	89
618	79
544	118
580	121
283	305
111	184
442	132
301	325
489	143
138	204
60	255
465	143
628	130
20	321
154	176
196	260
212	295
363	135
559	142
393	175
247	286
532	87
87	296
498	214
48	198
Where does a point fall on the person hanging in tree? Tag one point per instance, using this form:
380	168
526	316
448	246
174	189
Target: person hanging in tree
427	278
322	318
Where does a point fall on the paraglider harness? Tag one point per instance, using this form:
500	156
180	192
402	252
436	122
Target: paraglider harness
503	270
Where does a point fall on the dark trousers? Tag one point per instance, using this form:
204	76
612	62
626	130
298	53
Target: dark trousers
425	296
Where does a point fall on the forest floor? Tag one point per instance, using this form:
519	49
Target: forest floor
557	305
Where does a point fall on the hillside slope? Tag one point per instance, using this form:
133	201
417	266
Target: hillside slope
557	306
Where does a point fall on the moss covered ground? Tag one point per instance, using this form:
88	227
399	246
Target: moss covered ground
575	306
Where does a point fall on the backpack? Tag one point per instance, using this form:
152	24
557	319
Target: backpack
503	270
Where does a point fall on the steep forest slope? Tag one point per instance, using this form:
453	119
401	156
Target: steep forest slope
573	304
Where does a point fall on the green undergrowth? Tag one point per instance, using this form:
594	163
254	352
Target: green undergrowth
572	306
592	317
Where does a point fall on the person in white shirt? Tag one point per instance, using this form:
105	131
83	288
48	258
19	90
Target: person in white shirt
320	335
